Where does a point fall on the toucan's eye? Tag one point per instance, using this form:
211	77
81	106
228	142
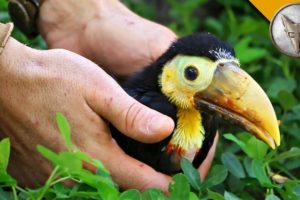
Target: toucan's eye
191	73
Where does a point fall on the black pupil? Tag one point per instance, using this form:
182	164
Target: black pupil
191	73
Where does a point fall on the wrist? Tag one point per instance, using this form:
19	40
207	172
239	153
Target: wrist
15	54
5	31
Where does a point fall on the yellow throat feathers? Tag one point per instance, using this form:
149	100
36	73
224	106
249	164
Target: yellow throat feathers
189	134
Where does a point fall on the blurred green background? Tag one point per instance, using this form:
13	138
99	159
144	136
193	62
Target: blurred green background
241	25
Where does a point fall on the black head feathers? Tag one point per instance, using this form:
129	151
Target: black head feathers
199	44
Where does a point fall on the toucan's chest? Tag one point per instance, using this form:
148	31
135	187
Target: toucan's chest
188	135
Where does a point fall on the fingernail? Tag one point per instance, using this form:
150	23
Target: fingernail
160	124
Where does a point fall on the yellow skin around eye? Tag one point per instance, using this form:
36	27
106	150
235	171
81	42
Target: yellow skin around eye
177	88
189	133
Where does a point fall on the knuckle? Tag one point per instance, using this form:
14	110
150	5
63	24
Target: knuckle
132	116
145	186
147	183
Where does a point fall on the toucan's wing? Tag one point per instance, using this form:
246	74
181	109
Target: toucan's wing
154	100
151	154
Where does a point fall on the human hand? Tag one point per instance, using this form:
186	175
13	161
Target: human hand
104	31
35	85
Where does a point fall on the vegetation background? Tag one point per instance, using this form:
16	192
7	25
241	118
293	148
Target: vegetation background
244	168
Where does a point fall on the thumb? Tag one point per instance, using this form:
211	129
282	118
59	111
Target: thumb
128	115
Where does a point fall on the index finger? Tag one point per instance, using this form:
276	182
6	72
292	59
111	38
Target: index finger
127	171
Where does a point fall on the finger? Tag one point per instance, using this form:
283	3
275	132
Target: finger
128	115
127	171
147	39
92	136
206	164
159	38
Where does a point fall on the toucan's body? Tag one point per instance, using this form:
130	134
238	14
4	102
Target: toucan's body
156	154
198	73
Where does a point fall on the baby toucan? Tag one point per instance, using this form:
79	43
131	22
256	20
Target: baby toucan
195	79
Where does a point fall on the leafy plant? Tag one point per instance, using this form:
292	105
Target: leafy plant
243	168
66	166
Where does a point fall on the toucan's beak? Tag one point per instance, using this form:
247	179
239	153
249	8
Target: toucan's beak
236	96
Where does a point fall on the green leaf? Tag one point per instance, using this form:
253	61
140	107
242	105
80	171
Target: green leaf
91	179
230	196
108	192
5	195
84	195
288	190
132	194
247	54
99	165
106	188
251	54
7	180
69	162
4	154
153	194
233	165
103	173
260	173
244	136
286	99
179	187
47	153
234	139
191	173
278	84
272	197
214	195
255	148
248	166
65	130
235	184
249	25
293	152
61	191
193	196
296	190
217	175
213	25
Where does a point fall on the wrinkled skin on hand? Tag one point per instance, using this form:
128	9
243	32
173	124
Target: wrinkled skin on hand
35	85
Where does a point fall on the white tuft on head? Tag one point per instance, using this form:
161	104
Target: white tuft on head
221	53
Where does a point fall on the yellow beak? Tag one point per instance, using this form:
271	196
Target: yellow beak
236	96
